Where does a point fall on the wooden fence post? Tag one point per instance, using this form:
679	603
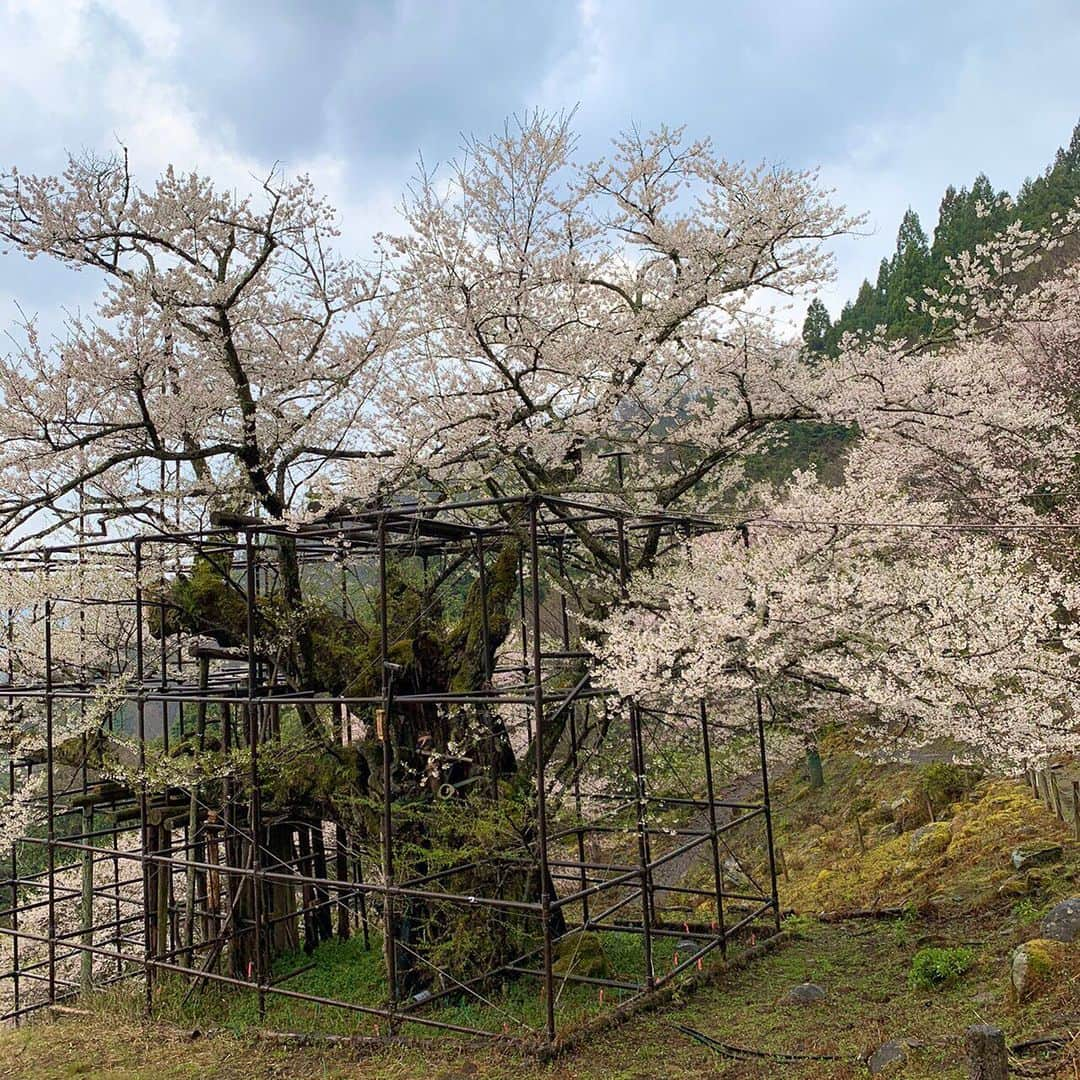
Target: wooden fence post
1048	791
987	1057
1057	795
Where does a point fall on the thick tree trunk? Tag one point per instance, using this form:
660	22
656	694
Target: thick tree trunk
292	592
280	901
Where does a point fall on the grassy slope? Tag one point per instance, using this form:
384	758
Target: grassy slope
827	870
862	964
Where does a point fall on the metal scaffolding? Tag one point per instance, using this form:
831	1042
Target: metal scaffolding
141	875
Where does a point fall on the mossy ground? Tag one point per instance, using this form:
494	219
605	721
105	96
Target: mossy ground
952	898
828	870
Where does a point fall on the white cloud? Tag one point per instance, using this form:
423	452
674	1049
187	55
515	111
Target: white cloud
1005	111
894	107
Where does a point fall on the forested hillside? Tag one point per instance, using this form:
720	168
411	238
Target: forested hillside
967	216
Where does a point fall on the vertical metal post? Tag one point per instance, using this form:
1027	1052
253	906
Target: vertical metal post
638	759
117	942
163	678
524	636
227	836
484	625
50	797
624	570
255	808
637	753
541	785
485	632
389	930
584	878
768	809
86	906
718	870
14	846
144	833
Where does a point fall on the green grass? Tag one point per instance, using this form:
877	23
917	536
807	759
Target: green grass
932	969
347	972
860	965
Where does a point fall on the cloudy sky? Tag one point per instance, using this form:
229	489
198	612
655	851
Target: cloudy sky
893	100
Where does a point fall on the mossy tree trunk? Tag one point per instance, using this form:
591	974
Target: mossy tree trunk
467	748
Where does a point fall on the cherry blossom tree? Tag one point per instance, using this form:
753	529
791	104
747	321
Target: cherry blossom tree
603	329
231	344
859	603
932	594
228	363
552	312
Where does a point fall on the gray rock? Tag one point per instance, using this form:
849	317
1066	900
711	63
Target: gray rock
1062	921
734	876
1035	965
891	1053
1037	854
582	953
930	840
804	994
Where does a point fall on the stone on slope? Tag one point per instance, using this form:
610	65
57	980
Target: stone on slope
1034	965
804	994
1062	921
930	840
890	1054
1037	853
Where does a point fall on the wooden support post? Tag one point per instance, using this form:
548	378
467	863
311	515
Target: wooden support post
162	940
1076	808
190	833
987	1057
213	878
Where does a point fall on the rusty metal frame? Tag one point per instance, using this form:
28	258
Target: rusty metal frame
573	886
